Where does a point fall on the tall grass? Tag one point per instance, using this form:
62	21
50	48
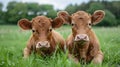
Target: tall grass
13	40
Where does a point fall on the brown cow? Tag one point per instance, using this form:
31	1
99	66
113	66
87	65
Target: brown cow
44	40
83	43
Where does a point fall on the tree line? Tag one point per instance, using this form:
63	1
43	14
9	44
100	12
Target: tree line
17	10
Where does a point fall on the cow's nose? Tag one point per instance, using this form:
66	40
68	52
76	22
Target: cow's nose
43	44
82	37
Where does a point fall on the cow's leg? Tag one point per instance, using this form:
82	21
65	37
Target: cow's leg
83	53
98	58
26	52
73	58
83	57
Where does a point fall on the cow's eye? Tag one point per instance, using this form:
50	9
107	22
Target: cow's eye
80	18
90	24
72	24
50	29
33	31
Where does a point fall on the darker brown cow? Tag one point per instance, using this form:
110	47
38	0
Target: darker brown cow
43	40
83	43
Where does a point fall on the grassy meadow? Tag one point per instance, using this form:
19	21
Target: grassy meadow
13	40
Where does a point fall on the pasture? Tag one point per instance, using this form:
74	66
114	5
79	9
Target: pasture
13	40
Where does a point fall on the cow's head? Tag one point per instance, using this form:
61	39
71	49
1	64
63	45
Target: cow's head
41	27
81	23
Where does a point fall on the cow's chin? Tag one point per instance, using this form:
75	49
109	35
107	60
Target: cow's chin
44	48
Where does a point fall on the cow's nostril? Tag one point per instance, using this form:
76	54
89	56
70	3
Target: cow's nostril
78	37
40	44
85	37
47	44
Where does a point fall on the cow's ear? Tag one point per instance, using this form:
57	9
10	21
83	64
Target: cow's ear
25	24
65	16
57	22
97	16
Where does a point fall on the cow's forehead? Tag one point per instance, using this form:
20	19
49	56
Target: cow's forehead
41	21
81	13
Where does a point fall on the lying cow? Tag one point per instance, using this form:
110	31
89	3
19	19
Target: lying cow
44	39
83	43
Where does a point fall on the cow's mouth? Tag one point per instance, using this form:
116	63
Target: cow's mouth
80	42
43	48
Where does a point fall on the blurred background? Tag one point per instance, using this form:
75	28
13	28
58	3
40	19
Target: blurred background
13	10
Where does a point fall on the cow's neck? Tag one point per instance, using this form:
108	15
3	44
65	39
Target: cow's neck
92	36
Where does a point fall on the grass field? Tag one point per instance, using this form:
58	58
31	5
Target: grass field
13	41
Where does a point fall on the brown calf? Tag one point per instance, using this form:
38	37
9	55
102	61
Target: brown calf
43	40
83	43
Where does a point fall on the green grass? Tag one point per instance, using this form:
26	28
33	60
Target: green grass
13	40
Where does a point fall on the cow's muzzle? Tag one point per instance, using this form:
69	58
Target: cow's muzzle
81	38
43	44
